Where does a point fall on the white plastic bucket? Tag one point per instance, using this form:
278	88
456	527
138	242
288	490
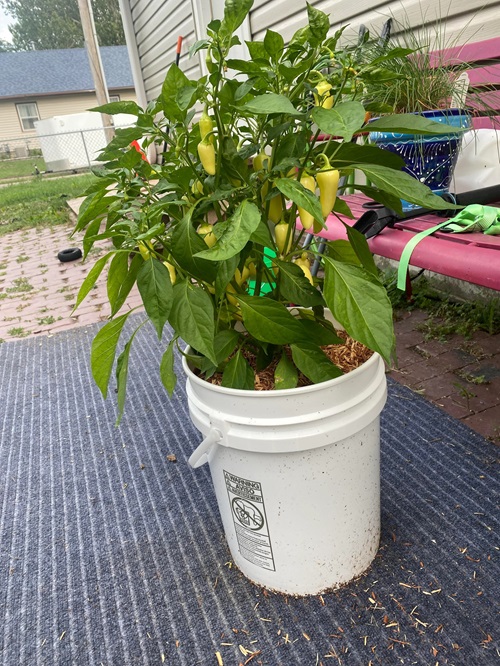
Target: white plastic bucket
297	475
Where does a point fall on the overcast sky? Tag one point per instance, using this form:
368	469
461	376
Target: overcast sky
4	22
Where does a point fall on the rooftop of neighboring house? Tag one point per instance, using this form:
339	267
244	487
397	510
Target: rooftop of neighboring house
59	71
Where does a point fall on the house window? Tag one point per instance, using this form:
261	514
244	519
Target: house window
28	113
114	98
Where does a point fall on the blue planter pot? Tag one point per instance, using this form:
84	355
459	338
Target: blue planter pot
429	159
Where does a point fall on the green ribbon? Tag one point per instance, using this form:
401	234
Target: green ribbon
484	219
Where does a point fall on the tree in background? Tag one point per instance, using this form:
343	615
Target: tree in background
5	46
55	24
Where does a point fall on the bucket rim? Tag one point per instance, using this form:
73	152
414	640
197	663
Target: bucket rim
374	359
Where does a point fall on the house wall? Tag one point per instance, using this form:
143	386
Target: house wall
460	20
53	105
157	25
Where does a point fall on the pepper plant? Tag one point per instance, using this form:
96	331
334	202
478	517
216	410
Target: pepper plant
251	158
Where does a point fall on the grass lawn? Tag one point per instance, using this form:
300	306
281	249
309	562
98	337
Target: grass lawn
39	202
20	168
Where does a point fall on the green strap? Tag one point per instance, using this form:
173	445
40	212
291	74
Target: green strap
404	260
474	217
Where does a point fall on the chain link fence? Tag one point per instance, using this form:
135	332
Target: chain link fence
62	151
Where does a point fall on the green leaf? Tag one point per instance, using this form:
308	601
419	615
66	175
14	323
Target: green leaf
313	363
319	23
273	43
257	50
124	136
238	374
235	12
291	145
341	207
344	155
404	186
285	374
192	318
167	374
95	205
271	103
342	250
321	333
342	120
172	97
155	287
262	235
225	274
269	321
304	198
128	283
122	374
91	278
225	343
235	233
410	123
118	270
362	250
103	351
88	238
186	244
113	108
388	200
244	66
295	287
360	305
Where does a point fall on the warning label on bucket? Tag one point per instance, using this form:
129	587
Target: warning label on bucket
249	515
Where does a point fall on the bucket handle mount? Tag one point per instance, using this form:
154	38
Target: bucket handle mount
200	454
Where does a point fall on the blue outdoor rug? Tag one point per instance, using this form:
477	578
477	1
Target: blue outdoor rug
111	553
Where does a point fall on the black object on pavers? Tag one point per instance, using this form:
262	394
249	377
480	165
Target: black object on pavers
70	254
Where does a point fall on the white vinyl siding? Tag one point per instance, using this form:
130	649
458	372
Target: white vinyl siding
157	27
461	21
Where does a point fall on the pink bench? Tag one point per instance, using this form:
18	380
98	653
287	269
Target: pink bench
484	77
471	257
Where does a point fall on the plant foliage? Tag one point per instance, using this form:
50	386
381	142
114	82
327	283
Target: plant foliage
213	229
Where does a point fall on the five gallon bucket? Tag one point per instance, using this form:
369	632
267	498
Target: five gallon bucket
296	474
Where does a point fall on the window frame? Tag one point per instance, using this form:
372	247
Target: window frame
28	118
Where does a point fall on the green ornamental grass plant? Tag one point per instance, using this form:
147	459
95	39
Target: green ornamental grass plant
223	206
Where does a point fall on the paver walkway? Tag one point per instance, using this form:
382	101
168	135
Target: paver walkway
37	294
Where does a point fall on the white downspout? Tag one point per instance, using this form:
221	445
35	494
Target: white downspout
133	53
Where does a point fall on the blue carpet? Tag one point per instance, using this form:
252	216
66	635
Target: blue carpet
111	554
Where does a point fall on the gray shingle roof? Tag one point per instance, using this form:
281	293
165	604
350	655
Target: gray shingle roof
60	71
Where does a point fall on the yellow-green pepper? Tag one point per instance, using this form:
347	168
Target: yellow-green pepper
306	218
206	153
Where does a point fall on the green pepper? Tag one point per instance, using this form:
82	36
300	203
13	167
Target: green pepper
306	218
206	153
